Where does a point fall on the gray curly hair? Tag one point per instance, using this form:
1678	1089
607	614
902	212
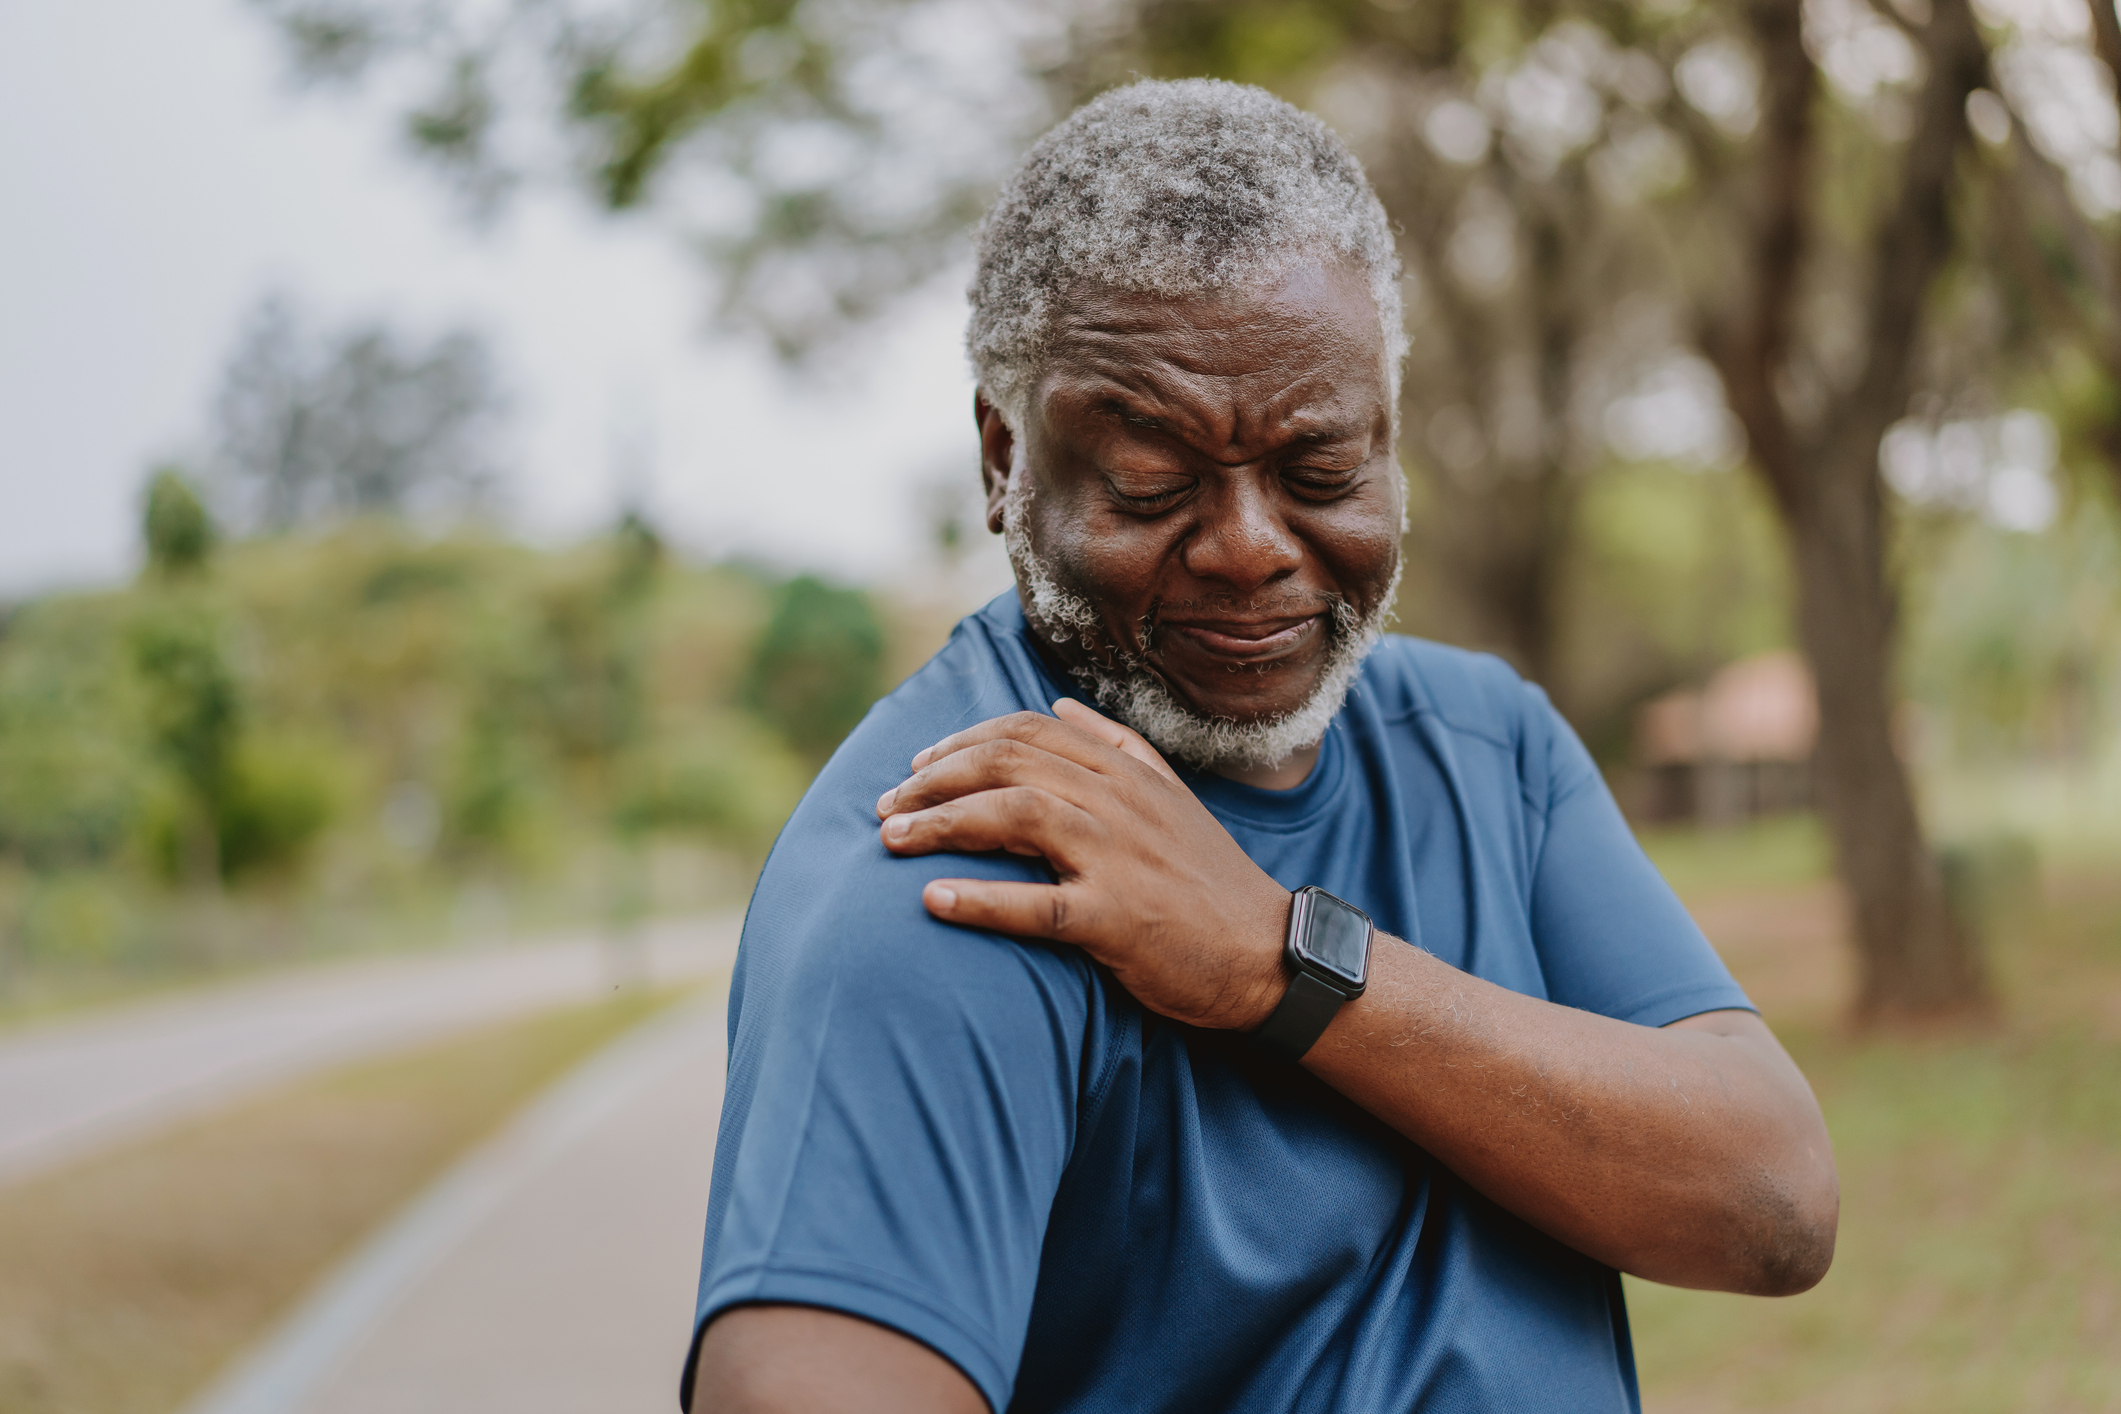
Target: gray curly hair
1173	188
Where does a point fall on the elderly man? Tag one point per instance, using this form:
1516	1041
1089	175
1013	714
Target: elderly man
1301	1031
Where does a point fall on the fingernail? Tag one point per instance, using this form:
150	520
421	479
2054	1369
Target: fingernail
883	802
897	827
922	759
944	897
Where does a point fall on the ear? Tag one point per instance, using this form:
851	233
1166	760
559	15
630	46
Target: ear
997	454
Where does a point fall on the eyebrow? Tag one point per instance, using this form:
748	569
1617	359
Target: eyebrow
1121	411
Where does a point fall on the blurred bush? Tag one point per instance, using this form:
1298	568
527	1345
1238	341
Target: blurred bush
818	665
273	801
728	779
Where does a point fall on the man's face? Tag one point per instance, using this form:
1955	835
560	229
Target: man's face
1213	477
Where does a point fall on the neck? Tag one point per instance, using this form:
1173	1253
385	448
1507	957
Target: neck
1286	774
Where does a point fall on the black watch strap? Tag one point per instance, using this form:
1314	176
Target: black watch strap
1306	1010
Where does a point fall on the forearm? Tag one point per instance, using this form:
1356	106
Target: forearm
1677	1154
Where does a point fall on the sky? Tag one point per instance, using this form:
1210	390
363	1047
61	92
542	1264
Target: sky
158	175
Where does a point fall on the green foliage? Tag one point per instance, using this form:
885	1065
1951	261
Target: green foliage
641	119
261	731
190	694
1674	573
256	802
72	765
1253	41
491	802
280	795
818	666
74	916
191	712
1773	851
2017	644
682	88
587	670
731	781
179	533
637	555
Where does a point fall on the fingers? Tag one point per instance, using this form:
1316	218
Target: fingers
1027	910
1077	714
989	765
1033	729
1020	819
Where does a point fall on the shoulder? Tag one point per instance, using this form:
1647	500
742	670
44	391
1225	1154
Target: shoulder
835	911
1474	694
1481	704
985	670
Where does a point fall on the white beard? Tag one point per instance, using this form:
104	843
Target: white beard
1129	688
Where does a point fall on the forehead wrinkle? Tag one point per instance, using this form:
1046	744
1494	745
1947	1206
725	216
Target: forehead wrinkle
1162	333
1153	389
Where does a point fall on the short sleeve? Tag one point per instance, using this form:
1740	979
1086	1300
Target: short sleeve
901	1101
1612	937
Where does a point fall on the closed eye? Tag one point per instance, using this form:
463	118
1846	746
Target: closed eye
1148	499
1320	483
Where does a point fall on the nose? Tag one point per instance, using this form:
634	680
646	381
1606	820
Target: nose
1242	541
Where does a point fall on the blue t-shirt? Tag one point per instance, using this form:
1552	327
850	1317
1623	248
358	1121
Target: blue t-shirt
988	1145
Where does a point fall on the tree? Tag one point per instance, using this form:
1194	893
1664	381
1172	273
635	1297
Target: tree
1815	441
178	531
315	426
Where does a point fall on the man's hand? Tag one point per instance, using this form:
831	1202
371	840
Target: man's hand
1150	884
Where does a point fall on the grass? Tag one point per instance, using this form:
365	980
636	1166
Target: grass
129	1279
1979	1266
1778	851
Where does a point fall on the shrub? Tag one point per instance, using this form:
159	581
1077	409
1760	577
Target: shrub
818	665
280	794
727	780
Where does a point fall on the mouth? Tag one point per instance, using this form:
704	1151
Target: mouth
1245	640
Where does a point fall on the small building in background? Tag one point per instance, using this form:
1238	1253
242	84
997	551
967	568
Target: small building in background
1738	747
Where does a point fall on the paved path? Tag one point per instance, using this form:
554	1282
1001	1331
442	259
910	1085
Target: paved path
70	1087
552	1272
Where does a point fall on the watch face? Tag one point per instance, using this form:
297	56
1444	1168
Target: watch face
1336	939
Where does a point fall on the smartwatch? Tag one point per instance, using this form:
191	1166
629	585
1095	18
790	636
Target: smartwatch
1327	953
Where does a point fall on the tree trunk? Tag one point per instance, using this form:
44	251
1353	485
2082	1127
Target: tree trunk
1493	553
1505	531
1916	960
